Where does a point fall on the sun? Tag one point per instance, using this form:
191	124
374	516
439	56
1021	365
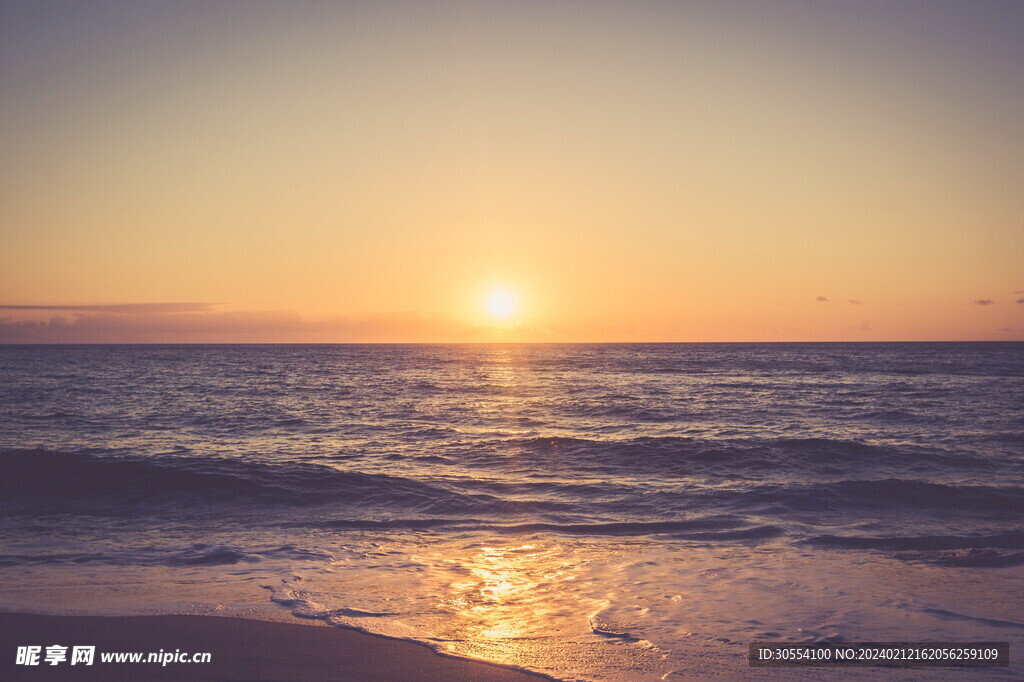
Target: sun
501	304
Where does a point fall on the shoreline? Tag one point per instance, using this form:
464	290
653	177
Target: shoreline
239	648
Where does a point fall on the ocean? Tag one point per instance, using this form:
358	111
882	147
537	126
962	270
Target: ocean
591	511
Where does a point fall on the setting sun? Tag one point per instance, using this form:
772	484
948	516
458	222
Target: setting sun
500	304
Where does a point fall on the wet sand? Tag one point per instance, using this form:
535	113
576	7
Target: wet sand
241	649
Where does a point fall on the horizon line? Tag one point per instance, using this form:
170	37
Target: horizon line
476	343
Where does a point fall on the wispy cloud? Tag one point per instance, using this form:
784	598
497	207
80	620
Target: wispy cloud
853	301
237	327
821	299
1020	300
122	308
984	301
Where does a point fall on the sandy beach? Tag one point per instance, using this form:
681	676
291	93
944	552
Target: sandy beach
240	649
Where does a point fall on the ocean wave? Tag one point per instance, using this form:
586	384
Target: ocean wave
46	482
967	558
877	497
992	622
196	555
953	551
728	457
707	528
682	530
50	558
1013	540
549	496
217	556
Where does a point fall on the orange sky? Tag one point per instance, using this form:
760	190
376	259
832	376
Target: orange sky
643	171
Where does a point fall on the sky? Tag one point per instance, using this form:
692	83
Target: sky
771	170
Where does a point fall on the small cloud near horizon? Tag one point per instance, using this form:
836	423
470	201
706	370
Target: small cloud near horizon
821	299
283	326
984	301
123	308
1020	300
853	301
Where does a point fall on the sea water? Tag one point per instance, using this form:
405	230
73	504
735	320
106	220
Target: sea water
592	511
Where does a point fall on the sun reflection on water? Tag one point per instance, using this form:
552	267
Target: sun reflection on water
510	596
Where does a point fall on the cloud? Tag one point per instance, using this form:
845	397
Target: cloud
821	299
122	308
853	301
239	327
1020	300
984	301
